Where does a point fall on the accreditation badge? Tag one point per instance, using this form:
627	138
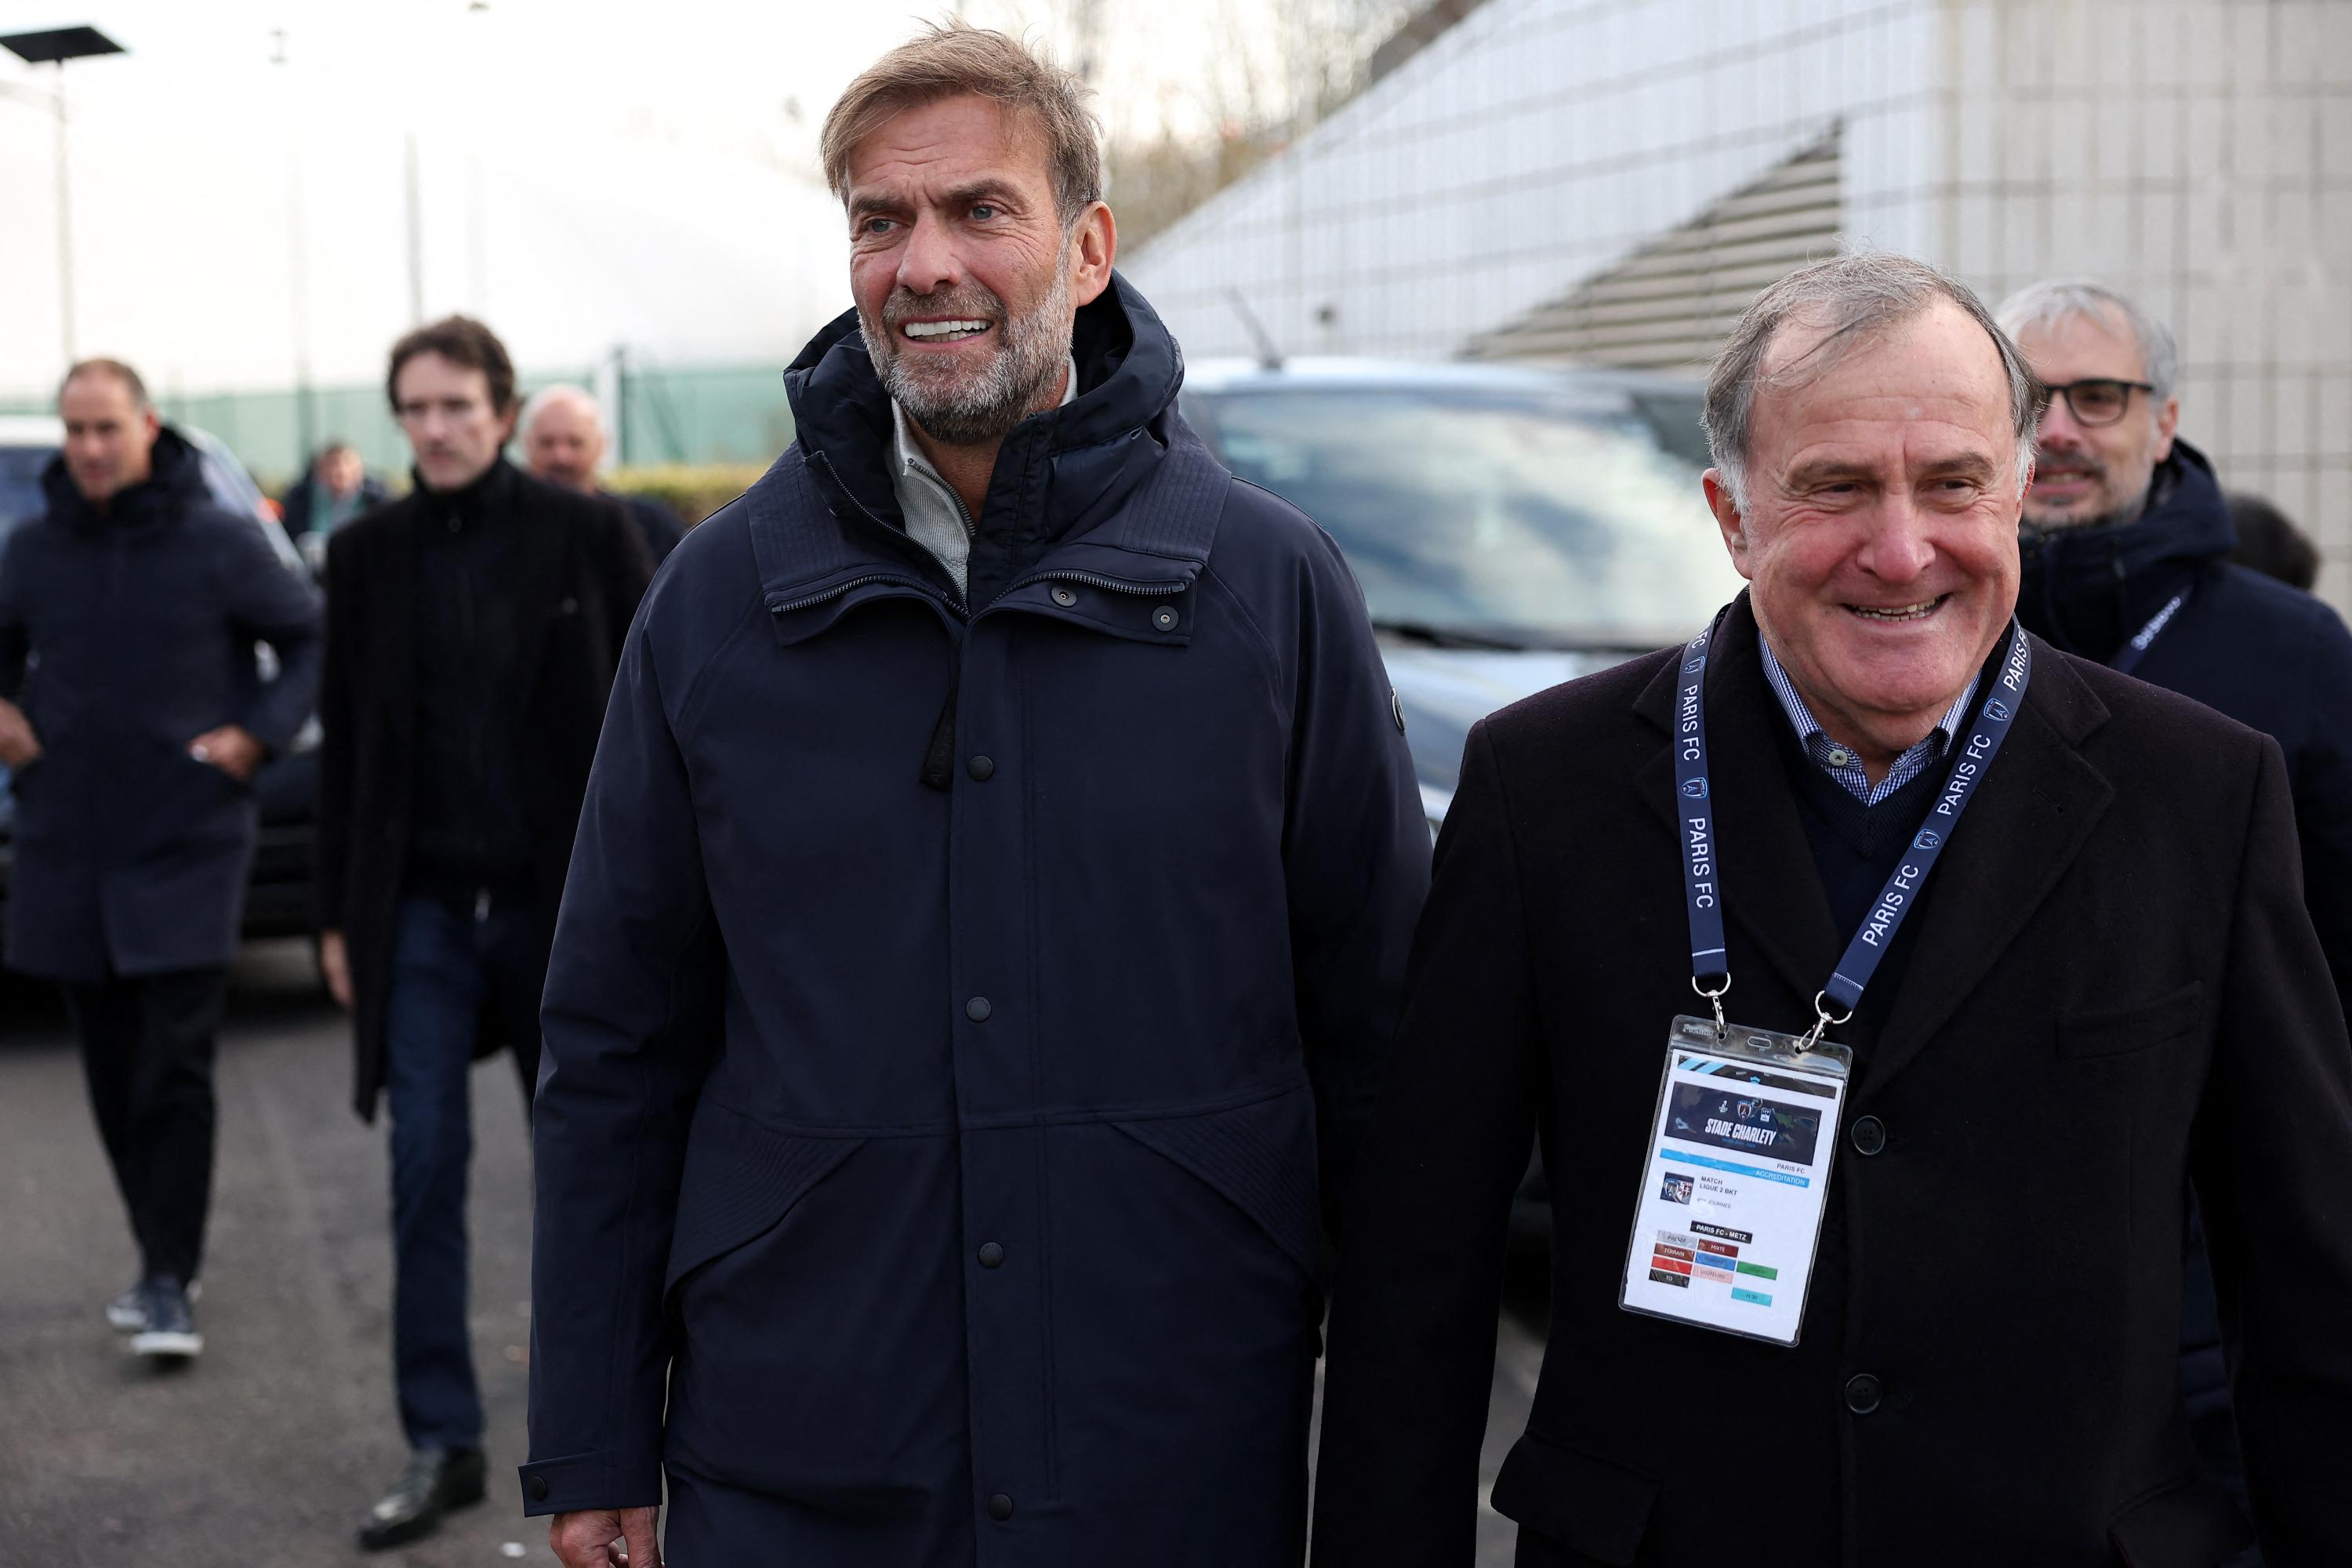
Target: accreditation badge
1728	1218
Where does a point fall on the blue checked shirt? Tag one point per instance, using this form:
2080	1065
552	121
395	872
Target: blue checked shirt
1839	761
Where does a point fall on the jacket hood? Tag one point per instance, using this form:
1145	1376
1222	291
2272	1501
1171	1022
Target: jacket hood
1059	474
2084	590
178	480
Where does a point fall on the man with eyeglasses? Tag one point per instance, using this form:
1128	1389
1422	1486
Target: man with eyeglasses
2127	543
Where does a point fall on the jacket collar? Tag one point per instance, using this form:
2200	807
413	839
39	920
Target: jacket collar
2030	819
1112	484
490	495
2087	589
177	481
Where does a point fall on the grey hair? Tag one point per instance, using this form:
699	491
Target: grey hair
547	395
2048	303
1856	299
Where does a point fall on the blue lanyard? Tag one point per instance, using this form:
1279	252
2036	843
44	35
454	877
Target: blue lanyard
2127	656
1694	812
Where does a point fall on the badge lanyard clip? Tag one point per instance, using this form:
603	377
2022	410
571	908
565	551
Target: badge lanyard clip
1823	1019
1714	1000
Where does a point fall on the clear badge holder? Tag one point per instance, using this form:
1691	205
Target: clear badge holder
1728	1221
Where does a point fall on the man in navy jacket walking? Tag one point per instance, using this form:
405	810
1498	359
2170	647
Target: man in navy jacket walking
128	614
991	899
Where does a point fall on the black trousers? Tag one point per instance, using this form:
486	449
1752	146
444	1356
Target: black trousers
147	1053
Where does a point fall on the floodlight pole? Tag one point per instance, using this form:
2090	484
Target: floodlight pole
55	46
298	265
65	225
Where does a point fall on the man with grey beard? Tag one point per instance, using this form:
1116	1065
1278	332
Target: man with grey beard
2126	559
989	910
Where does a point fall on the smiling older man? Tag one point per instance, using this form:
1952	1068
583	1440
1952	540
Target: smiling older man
1877	1258
991	904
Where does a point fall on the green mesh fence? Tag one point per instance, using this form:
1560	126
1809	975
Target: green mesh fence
683	415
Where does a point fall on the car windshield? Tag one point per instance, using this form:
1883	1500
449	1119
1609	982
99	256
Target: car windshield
20	482
1515	518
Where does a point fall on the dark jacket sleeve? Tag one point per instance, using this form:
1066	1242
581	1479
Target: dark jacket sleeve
627	566
342	647
294	506
271	603
1419	1287
2321	770
630	1025
1356	862
15	637
2272	1165
656	525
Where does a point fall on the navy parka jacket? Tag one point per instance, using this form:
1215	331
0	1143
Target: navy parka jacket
139	625
952	998
2271	656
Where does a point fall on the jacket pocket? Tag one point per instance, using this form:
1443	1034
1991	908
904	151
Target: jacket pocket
2138	1026
2191	1523
740	1181
1259	1157
1588	1505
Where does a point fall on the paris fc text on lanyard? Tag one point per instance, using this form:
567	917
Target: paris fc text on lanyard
1972	758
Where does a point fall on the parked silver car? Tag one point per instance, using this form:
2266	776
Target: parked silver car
1512	528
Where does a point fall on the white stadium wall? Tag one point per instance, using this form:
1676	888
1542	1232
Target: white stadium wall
2198	152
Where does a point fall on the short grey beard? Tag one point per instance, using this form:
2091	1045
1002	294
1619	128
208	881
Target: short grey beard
2130	512
1036	347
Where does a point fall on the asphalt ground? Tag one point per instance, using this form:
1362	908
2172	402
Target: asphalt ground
267	1452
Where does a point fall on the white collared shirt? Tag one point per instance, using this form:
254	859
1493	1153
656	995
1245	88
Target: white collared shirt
935	514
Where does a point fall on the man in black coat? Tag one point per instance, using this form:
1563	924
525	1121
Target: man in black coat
2127	540
2097	988
472	631
563	442
136	601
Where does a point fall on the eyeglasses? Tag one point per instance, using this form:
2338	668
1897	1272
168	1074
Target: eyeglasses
2096	401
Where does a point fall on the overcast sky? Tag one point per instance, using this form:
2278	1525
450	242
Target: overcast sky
593	172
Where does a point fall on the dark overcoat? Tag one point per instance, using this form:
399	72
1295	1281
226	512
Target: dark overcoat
2109	992
949	997
140	624
580	569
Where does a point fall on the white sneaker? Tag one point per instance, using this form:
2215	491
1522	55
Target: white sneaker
126	1313
171	1328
